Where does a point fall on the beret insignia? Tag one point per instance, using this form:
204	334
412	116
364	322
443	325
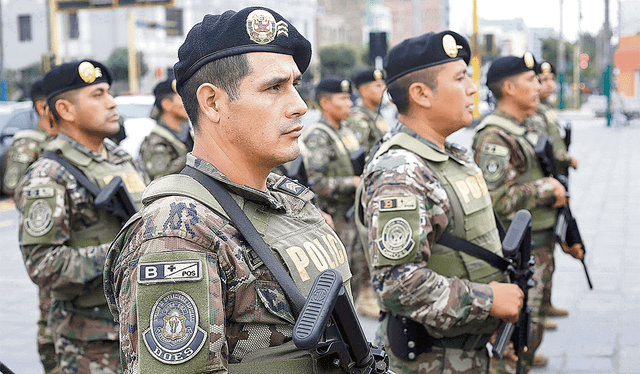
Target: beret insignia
261	26
450	46
528	60
173	86
377	74
344	85
88	72
545	68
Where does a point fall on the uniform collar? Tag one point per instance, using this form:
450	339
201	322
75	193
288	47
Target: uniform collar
503	114
452	150
370	114
114	154
246	192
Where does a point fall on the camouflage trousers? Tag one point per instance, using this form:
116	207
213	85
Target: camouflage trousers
542	245
46	348
438	360
90	357
348	234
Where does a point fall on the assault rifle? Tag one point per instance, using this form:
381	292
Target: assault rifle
566	230
115	199
4	369
567	135
328	313
516	248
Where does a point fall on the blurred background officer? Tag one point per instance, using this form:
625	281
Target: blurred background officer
191	294
364	119
28	144
164	150
64	238
330	153
440	306
504	149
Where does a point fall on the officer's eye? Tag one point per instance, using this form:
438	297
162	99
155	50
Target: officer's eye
276	87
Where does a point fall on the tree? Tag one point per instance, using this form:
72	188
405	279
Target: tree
337	60
118	64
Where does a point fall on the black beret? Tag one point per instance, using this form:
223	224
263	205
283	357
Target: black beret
36	91
367	76
508	66
424	51
72	75
333	84
545	68
164	88
253	29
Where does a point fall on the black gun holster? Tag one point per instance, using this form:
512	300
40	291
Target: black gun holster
408	338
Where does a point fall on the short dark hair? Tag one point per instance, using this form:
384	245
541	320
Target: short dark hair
67	95
224	73
159	98
399	88
496	87
323	94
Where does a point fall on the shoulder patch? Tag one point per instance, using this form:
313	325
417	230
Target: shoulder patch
39	219
290	186
170	271
39	192
390	204
174	335
396	242
495	150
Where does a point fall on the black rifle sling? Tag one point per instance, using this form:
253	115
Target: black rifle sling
80	177
501	231
474	250
250	233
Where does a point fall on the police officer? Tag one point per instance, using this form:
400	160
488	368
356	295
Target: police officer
164	150
441	306
364	120
504	149
64	238
28	144
190	293
545	122
328	149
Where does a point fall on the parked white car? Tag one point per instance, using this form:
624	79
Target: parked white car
135	109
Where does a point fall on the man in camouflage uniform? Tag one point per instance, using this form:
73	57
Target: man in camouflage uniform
26	148
191	294
504	149
164	150
544	121
364	120
64	238
441	306
328	148
28	144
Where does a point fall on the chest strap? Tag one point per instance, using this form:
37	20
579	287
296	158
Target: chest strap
250	233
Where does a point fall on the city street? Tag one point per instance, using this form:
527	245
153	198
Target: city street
602	332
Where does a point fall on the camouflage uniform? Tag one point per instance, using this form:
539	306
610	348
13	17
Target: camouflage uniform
516	181
244	314
162	152
326	152
64	242
362	121
402	186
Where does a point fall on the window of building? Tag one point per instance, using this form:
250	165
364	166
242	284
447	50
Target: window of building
174	22
24	24
74	28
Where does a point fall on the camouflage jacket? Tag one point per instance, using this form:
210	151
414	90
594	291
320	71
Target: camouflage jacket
68	207
545	122
502	160
159	154
22	153
411	289
242	307
331	180
362	121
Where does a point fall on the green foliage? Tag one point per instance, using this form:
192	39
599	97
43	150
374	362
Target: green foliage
339	59
118	64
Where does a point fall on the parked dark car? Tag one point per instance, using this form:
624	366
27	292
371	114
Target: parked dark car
14	117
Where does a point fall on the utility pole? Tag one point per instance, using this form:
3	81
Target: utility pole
53	31
475	61
576	60
606	76
132	54
561	63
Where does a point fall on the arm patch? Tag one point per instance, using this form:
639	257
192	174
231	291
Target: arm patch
41	208
398	229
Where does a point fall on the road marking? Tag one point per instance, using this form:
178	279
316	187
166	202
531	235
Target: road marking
6	205
7	223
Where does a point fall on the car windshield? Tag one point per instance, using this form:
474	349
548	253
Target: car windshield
134	110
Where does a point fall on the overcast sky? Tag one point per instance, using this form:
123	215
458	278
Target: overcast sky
536	13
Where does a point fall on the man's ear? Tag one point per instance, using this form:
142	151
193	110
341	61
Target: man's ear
508	87
66	110
211	100
40	105
420	94
165	104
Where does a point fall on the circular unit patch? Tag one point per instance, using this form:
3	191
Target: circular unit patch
12	176
174	335
39	220
493	170
396	242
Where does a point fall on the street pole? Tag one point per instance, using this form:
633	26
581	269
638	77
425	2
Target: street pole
561	62
607	55
576	60
475	61
53	31
133	56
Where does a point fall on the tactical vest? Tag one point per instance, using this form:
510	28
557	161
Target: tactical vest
166	134
543	217
107	226
38	136
304	243
472	212
17	164
341	166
